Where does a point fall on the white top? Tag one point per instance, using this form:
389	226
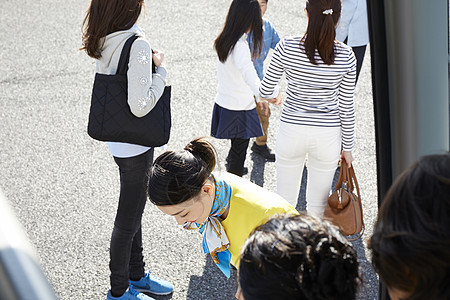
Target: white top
238	83
144	89
353	23
317	95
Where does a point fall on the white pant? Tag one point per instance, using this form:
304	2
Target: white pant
323	146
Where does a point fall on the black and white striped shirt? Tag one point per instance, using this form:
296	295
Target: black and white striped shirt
317	95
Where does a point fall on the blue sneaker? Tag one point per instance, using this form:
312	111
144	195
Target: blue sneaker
130	294
152	284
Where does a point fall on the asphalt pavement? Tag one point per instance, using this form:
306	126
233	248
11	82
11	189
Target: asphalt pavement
64	186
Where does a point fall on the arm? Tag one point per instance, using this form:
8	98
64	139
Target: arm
241	57
346	104
144	88
348	11
269	86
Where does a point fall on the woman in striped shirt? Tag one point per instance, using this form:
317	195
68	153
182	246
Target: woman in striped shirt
318	116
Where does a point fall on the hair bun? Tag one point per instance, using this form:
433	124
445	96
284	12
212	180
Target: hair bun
204	150
330	269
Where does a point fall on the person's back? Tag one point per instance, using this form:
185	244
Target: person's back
250	206
270	40
234	114
297	257
313	90
318	116
411	239
233	91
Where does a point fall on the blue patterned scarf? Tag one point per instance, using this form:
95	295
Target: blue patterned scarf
215	240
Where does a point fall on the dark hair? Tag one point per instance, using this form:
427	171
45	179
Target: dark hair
242	16
321	30
178	176
298	257
411	239
107	16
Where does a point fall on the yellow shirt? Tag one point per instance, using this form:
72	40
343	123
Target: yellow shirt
250	206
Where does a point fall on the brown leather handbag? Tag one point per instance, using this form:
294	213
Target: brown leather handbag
344	208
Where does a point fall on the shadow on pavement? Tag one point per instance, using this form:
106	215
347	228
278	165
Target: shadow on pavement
301	201
257	174
369	278
212	285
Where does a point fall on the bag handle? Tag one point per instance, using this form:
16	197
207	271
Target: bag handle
343	176
122	68
347	174
349	177
353	178
153	64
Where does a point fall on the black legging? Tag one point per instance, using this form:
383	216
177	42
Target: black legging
236	156
126	260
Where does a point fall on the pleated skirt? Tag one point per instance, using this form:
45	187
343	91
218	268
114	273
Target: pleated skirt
228	124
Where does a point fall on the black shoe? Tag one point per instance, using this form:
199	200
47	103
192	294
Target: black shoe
264	151
244	171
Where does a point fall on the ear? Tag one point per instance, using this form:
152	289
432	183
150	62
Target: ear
208	189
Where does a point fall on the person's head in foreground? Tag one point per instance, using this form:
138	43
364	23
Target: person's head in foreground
411	239
298	257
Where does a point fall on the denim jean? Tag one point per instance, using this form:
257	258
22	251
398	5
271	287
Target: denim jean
126	260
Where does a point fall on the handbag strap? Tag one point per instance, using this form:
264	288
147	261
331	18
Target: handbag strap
122	68
347	175
354	180
153	64
343	176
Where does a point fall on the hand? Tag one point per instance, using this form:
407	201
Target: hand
276	101
158	58
347	155
264	106
279	99
271	100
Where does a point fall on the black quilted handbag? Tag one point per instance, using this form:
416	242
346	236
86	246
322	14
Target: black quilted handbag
110	117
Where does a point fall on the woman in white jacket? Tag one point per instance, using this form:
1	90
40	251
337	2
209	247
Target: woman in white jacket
235	116
107	26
